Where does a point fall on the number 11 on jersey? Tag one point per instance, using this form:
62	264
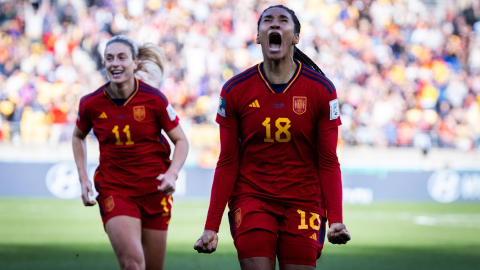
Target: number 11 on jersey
126	130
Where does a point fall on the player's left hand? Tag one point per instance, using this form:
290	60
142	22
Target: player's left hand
207	243
338	234
168	183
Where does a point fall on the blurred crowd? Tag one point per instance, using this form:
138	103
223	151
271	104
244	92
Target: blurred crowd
407	73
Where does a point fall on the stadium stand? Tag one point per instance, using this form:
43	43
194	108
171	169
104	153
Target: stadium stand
407	71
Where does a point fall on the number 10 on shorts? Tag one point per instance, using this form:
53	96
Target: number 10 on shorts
312	219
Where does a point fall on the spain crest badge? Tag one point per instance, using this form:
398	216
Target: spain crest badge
237	215
139	113
299	105
109	204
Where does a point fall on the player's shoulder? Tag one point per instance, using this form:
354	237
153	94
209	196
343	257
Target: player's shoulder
151	92
239	80
317	79
92	96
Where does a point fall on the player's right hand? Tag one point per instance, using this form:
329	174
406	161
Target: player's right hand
207	243
87	189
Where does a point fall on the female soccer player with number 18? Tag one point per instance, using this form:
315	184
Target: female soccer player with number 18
135	178
278	167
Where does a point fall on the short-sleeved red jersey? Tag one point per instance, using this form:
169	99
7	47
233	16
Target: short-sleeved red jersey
278	133
132	150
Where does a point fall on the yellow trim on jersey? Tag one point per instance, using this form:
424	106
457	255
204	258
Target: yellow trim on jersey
289	85
264	80
135	93
129	99
294	79
109	98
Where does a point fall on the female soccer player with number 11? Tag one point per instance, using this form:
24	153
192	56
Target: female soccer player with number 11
135	178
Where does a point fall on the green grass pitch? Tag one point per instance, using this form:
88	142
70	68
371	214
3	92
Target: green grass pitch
58	234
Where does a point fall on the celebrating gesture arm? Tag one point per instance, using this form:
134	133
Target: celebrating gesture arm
223	184
207	243
330	180
338	234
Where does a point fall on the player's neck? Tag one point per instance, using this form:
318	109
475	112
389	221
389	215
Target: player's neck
279	71
121	90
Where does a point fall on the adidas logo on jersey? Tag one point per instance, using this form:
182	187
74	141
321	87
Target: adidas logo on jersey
254	104
103	115
314	237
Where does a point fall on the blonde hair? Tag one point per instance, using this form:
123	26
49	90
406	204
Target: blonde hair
151	60
127	41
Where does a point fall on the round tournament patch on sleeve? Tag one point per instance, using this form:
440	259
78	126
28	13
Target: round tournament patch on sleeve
334	112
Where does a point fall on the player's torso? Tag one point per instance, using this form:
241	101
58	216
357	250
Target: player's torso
278	139
125	126
278	120
131	153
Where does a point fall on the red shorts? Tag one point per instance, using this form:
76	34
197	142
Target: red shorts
154	209
294	231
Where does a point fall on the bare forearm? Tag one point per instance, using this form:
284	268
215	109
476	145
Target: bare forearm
179	156
80	156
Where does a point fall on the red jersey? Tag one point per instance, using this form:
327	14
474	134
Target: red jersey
280	144
132	150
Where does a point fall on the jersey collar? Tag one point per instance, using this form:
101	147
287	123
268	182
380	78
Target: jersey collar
288	85
133	94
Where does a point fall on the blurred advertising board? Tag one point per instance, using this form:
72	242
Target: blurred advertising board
361	186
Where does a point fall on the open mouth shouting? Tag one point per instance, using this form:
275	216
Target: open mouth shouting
274	42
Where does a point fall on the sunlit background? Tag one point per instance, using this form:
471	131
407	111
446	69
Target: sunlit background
407	74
